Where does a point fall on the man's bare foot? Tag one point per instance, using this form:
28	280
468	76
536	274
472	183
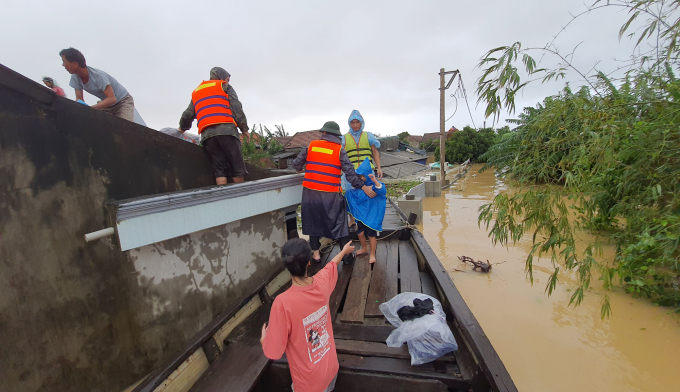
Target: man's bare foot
361	252
316	255
371	260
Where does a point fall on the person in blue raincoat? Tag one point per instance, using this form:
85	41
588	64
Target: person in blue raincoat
368	212
359	145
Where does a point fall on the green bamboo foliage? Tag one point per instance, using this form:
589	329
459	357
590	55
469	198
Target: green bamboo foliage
605	158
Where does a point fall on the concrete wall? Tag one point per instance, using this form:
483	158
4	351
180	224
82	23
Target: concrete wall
82	316
418	190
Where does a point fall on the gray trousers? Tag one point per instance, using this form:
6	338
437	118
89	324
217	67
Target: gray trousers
124	108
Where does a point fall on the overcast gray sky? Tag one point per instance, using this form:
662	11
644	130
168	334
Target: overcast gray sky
301	63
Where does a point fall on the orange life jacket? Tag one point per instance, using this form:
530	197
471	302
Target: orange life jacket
322	172
211	104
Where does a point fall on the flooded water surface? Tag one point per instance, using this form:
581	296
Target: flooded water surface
546	344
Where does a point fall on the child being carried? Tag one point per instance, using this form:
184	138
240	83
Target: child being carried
368	212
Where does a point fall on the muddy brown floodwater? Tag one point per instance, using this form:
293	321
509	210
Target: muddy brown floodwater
546	344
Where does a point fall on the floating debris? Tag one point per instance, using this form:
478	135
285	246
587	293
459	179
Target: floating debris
482	266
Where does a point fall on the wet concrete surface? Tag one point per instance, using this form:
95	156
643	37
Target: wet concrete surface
546	344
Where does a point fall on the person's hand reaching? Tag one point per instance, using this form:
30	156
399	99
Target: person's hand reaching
348	248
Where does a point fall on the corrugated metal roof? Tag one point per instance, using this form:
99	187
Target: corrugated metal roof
387	159
406	155
404	169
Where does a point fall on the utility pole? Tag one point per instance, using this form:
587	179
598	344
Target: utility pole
442	119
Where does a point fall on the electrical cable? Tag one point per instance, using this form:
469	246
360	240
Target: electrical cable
455	111
456	94
462	86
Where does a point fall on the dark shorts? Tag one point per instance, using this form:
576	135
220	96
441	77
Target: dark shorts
227	158
362	228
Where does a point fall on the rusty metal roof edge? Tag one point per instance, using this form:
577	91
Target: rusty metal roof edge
176	200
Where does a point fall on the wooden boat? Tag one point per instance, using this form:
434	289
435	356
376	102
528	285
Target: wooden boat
226	355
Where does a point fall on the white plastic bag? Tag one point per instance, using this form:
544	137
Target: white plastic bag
428	337
186	136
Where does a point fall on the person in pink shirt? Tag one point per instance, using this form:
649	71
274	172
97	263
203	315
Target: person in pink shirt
300	323
49	82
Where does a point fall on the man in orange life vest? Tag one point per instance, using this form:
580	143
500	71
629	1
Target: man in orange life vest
324	212
216	106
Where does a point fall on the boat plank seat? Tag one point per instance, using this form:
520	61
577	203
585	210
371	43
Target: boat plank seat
362	332
379	349
241	363
278	374
444	372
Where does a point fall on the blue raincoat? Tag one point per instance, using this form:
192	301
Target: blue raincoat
372	141
368	211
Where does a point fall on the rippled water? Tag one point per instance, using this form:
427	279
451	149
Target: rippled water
546	344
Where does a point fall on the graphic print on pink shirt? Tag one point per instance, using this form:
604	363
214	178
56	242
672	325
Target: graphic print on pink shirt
317	335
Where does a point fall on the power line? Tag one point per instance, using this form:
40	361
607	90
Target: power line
461	93
462	86
455	111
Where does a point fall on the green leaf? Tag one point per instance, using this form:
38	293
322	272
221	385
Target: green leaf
627	24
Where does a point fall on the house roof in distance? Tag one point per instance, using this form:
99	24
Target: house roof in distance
283	139
413	140
302	139
431	136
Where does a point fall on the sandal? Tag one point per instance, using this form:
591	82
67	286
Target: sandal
349	259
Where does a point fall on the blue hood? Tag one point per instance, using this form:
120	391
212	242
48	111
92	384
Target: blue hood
355	116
